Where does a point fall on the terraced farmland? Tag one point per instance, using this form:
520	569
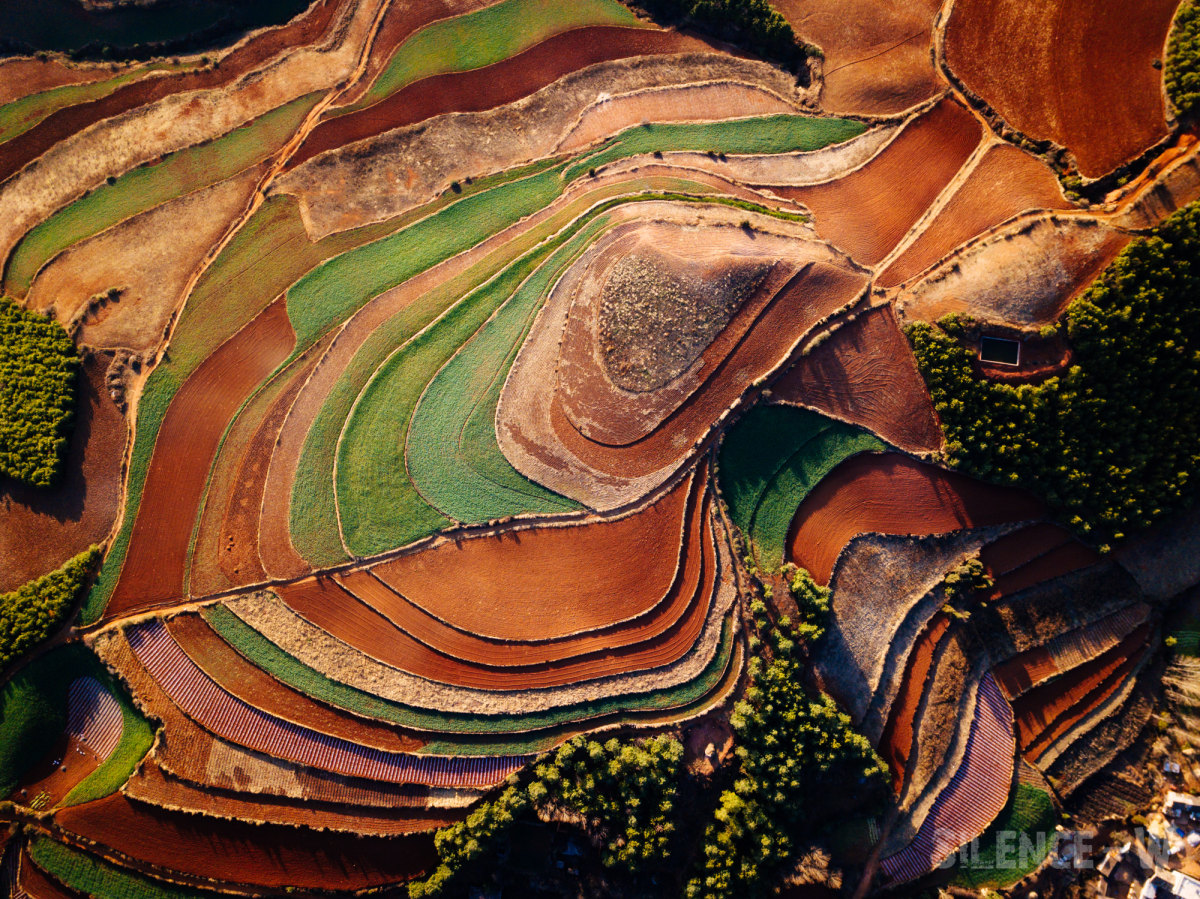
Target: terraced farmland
510	418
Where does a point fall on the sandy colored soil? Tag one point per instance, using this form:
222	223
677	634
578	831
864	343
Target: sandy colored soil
870	210
538	437
511	586
1070	71
495	85
151	787
1025	275
1006	181
254	855
44	528
231	671
896	743
890	493
877	58
865	374
149	258
36	883
187	441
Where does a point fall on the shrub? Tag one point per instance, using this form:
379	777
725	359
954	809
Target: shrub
813	600
1182	75
38	367
31	613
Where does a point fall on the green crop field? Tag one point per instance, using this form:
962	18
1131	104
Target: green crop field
89	876
1027	823
149	186
487	36
136	739
772	458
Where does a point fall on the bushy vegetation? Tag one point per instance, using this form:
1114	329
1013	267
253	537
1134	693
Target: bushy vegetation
1114	443
38	371
753	24
793	748
1182	72
813	601
32	612
33	715
967	577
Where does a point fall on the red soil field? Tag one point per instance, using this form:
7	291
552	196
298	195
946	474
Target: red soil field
1040	709
187	441
254	855
1014	549
305	29
151	787
1022	671
865	374
1007	181
1072	71
36	883
870	210
495	85
893	494
222	663
548	582
896	742
877	56
44	528
24	76
1062	560
396	611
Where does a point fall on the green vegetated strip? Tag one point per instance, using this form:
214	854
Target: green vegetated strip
39	371
32	612
453	455
1022	834
1114	443
770	461
149	186
90	876
1182	71
33	716
291	671
763	134
487	36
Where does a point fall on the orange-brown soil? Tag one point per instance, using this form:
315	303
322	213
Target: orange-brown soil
494	85
877	58
24	76
896	742
865	374
1006	181
264	855
1072	71
44	528
1071	556
183	454
68	763
1021	672
870	210
1014	549
35	883
893	494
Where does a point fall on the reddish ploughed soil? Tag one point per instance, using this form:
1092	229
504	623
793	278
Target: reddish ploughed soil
893	494
76	760
1021	672
547	582
266	855
870	210
37	884
44	528
896	743
306	29
253	685
1014	549
494	85
865	373
1061	560
23	77
1007	181
1076	72
187	441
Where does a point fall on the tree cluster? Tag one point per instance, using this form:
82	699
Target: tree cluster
813	601
793	748
1182	74
38	371
1113	443
31	613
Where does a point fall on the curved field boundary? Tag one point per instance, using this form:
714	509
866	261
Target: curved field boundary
228	717
894	494
63	872
483	38
150	786
143	188
865	374
28	881
495	85
973	798
262	855
64	123
1013	550
93	716
1070	556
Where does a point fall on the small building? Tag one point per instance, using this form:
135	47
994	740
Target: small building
1182	805
1171	885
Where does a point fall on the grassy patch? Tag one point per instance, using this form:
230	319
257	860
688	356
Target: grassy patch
770	461
88	875
1016	843
522	728
488	36
148	186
